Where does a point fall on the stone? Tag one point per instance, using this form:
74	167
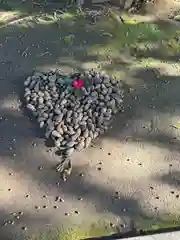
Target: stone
87	142
85	133
52	78
58	118
56	134
59	129
76	135
128	4
69	152
27	82
80	146
31	107
70	144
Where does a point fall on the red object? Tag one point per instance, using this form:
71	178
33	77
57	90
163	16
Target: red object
78	83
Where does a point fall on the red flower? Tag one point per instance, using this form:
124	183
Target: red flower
78	83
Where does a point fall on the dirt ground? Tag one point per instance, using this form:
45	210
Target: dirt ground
163	7
132	173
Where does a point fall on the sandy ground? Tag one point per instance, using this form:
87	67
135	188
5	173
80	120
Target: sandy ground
131	173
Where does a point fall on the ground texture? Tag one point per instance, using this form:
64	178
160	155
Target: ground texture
131	173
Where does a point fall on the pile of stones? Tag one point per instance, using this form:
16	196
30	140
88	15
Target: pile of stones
73	117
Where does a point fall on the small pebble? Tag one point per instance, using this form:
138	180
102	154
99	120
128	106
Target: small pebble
109	154
172	192
9	189
40	168
10	174
177	196
44	206
5	223
122	225
112	225
157	197
34	144
66	214
55	207
24	228
76	212
81	174
37	207
57	198
80	198
49	150
99	168
20	213
44	196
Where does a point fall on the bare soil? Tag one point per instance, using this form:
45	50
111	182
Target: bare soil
130	174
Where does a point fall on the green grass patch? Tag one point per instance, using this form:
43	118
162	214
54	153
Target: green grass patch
136	36
153	224
100	229
75	233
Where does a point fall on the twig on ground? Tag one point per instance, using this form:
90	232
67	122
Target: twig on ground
36	3
24	53
42	54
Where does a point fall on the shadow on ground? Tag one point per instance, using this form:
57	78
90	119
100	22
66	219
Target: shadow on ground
43	46
31	7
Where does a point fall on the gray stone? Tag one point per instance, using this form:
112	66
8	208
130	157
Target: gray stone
31	107
27	82
87	142
52	78
69	152
85	133
56	134
80	146
70	144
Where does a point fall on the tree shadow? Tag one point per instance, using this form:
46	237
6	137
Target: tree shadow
154	96
172	178
135	234
31	7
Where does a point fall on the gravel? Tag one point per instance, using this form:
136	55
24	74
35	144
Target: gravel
73	117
